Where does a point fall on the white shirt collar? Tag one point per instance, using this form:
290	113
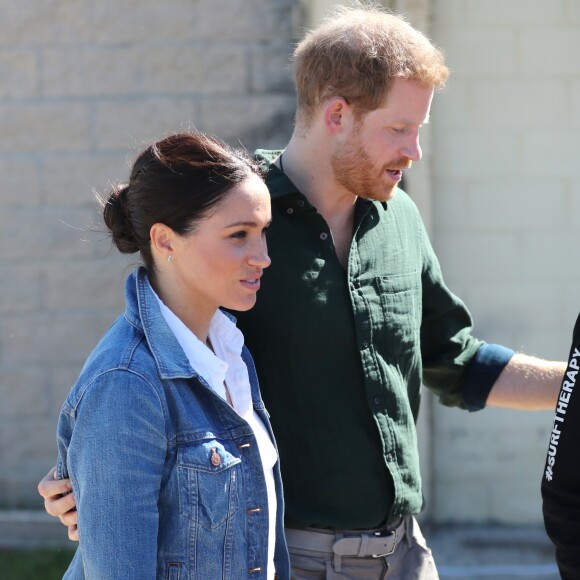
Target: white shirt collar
225	337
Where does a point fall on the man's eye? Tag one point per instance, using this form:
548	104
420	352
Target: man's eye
398	130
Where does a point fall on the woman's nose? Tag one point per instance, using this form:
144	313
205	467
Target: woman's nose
260	257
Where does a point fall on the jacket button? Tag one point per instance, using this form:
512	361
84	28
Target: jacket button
215	458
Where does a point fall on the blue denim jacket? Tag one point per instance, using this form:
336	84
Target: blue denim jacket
167	476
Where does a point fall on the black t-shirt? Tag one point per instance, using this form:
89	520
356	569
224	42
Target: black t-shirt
561	479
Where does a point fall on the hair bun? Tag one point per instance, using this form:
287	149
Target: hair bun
118	221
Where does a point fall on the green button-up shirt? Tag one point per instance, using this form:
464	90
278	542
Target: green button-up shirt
341	356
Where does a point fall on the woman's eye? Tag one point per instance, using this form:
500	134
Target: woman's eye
239	235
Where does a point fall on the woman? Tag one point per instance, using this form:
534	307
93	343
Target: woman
164	436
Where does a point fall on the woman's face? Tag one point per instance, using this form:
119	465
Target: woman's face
220	263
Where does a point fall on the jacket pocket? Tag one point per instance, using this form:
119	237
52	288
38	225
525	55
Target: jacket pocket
208	483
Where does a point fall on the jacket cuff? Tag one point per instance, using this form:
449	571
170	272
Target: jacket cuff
482	372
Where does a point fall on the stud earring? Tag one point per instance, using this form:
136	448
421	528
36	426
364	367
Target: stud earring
169	258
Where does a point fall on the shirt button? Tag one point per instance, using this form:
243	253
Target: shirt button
290	211
301	203
323	236
365	343
390	457
377	400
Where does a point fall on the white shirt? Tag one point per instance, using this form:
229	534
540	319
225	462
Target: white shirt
226	366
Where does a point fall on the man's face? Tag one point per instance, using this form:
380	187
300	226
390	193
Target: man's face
370	158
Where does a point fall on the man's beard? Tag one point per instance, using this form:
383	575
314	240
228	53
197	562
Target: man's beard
353	169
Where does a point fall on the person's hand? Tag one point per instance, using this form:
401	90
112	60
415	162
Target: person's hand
59	501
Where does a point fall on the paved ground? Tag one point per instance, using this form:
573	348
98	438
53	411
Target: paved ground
461	552
492	553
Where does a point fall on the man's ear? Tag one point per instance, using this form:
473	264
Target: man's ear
337	115
163	240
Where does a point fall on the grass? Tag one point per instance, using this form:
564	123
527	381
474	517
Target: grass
42	564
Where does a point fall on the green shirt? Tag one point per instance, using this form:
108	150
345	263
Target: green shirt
341	356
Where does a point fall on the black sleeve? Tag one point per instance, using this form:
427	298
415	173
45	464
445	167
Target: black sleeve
561	480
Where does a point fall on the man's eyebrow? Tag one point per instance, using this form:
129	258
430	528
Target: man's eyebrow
407	121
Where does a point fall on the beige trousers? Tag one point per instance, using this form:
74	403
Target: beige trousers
411	560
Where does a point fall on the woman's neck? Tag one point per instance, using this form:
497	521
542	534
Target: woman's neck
169	293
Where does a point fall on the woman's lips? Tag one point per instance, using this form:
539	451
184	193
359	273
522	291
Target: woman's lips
251	283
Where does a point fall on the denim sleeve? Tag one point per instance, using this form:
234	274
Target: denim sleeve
482	372
115	460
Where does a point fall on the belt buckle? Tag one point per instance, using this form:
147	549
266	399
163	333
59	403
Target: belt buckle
392	550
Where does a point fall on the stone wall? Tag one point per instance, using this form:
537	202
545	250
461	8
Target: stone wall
84	86
506	227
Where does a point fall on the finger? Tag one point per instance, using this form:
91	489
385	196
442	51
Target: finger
46	480
59	505
70	518
49	487
73	533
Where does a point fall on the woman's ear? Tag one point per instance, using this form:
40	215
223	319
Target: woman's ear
162	241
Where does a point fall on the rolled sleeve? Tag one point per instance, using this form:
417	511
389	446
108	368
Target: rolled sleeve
482	372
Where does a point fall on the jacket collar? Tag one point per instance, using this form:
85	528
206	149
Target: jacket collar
143	312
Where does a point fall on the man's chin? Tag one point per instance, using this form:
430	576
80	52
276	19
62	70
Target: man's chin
385	195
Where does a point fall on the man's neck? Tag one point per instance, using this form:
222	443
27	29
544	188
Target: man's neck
312	174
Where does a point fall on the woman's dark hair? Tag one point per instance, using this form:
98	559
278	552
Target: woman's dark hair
175	181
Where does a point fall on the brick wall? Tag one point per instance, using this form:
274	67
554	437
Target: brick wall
84	86
506	228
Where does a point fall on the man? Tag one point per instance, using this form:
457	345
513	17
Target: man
561	480
353	313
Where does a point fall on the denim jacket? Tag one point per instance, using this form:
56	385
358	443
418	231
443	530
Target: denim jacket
166	475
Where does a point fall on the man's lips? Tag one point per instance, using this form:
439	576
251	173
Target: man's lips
396	174
396	171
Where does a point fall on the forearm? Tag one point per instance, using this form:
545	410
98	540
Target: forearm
527	383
